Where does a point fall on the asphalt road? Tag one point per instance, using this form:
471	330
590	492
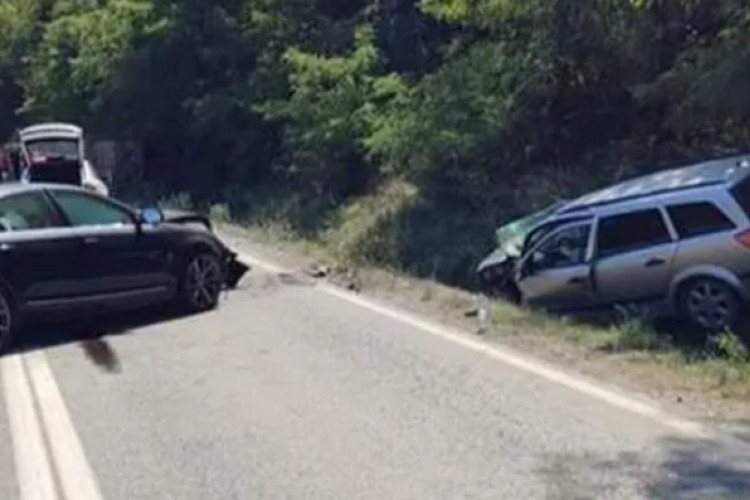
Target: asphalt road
287	392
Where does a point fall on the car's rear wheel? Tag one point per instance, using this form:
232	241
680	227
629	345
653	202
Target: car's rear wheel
8	318
200	282
710	304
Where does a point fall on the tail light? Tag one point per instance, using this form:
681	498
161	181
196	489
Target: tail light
743	238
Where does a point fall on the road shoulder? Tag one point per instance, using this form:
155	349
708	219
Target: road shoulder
688	390
8	483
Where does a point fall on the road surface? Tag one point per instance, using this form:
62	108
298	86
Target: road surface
292	392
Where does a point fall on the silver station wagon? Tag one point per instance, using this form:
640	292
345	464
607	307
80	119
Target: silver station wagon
677	241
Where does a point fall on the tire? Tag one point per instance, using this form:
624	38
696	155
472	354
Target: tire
710	304
201	282
9	319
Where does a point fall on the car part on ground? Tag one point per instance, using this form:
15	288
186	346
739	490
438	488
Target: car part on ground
68	252
646	241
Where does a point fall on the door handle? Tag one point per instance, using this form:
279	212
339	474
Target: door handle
6	247
655	262
90	240
577	280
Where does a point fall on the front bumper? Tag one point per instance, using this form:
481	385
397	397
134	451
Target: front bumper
234	270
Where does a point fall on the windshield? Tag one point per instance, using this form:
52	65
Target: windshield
510	236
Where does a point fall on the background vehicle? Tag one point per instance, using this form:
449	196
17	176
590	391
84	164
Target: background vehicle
66	251
55	152
678	240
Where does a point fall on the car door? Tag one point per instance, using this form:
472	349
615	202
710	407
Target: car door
121	258
39	257
633	256
556	273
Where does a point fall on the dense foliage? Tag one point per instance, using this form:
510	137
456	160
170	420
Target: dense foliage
488	107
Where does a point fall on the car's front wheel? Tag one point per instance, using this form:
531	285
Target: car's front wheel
200	282
8	319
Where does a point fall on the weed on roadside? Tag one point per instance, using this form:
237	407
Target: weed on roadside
637	335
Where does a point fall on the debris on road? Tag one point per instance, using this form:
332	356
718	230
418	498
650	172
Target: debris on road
318	270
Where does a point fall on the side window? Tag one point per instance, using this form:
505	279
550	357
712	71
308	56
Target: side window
539	233
632	231
85	210
564	248
26	211
695	219
535	236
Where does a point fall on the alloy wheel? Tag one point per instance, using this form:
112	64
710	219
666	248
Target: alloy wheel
6	321
712	305
203	281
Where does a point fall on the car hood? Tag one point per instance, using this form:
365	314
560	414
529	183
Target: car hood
175	216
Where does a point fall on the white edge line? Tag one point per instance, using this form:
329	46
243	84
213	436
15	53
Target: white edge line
505	355
33	469
76	476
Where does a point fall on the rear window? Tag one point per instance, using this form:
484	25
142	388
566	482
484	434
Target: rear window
696	219
630	232
741	193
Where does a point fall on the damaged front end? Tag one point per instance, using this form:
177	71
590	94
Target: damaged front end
234	270
496	272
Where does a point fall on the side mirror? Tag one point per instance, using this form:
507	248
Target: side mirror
150	215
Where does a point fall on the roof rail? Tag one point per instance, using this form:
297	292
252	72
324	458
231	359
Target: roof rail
578	206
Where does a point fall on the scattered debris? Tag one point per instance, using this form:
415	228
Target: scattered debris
353	282
294	279
483	313
318	270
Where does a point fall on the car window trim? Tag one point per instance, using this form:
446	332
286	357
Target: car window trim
87	194
550	226
671	234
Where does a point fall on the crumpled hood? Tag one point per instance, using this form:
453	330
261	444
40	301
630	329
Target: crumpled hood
497	257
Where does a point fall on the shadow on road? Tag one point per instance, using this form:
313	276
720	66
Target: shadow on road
101	354
90	334
687	470
703	470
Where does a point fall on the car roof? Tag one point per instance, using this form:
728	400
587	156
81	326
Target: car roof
722	171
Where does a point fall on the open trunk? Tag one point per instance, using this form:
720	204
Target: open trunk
56	171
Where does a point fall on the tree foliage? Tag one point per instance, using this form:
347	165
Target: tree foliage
473	101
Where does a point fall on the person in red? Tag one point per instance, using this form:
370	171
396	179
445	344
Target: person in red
10	163
6	166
